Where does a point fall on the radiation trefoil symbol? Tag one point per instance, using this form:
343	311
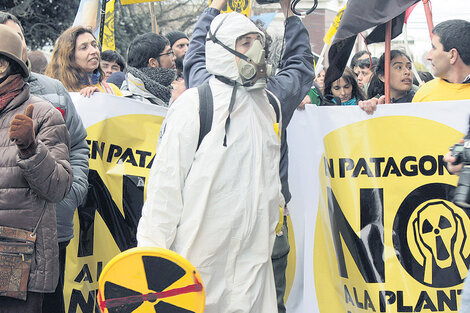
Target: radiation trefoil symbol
150	280
439	234
430	236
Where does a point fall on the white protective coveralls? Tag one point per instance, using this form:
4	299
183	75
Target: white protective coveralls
218	206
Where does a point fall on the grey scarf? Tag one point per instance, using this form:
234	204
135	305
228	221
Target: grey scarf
156	80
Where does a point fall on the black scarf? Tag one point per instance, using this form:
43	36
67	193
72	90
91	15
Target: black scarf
156	80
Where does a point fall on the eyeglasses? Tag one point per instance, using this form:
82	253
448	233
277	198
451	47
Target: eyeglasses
168	53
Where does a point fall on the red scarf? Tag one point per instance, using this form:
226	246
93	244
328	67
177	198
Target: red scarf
10	88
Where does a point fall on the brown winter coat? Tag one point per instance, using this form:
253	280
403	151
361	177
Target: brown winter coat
29	185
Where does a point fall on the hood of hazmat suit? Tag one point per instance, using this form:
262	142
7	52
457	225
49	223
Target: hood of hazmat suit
220	61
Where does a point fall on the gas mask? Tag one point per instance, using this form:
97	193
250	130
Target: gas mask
253	69
252	66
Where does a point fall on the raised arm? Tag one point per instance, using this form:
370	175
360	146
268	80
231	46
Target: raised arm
295	77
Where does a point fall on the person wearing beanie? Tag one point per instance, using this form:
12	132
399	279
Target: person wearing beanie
35	173
179	44
150	70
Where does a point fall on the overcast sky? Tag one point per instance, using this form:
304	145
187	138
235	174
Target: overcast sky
442	10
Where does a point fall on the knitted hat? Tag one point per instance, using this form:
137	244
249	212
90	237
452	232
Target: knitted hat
11	46
174	36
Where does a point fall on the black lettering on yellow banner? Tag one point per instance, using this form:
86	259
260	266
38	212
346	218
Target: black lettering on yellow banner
434	301
122	228
115	153
388	237
366	303
426	165
78	301
367	252
106	223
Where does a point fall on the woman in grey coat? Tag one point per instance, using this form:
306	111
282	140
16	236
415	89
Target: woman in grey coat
35	172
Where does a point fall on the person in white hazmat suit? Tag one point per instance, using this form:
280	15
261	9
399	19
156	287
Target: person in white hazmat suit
217	204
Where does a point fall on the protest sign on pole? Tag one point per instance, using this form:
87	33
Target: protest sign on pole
240	6
107	42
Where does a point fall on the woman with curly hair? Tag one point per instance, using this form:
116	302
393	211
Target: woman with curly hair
76	63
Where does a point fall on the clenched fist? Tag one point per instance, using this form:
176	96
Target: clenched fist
22	133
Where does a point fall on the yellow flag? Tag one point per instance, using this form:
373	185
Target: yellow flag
108	32
124	2
334	27
240	6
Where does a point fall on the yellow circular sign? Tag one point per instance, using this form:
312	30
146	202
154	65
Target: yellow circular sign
147	279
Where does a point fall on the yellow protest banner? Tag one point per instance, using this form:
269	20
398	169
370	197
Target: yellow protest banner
122	135
240	6
372	200
108	33
384	189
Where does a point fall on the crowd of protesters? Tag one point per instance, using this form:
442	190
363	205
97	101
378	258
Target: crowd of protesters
45	164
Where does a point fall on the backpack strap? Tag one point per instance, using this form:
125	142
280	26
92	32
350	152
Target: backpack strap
206	111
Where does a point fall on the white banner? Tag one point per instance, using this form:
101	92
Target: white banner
375	229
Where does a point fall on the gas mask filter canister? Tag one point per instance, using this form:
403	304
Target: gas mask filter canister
253	69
